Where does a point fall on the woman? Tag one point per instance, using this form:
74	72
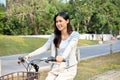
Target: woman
63	44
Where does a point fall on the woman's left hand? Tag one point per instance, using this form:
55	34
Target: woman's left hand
59	59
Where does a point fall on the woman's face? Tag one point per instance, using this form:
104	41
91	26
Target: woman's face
61	23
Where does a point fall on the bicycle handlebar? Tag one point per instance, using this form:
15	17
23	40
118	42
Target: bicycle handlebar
36	67
23	60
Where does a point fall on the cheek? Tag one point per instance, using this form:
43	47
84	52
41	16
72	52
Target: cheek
61	24
57	24
65	24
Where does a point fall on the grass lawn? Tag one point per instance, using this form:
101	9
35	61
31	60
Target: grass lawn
10	45
91	67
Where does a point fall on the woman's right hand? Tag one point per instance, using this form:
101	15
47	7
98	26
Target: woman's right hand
27	56
59	59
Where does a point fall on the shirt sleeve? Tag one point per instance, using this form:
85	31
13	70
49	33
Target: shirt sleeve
44	48
72	44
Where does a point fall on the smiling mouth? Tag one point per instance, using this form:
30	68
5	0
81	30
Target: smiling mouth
59	27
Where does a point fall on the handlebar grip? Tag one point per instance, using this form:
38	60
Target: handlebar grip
52	59
21	60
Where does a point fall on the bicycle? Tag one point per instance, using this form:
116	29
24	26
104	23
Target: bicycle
32	69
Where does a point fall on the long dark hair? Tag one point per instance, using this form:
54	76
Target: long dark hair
57	33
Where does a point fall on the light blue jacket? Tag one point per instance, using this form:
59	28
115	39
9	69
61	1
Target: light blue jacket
70	50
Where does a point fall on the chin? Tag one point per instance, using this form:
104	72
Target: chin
60	29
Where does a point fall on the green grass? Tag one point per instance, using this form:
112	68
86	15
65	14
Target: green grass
94	66
10	45
87	42
91	67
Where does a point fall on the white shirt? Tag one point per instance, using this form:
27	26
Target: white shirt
67	47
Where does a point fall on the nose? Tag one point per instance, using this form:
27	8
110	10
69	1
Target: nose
57	23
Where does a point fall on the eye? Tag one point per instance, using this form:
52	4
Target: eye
58	21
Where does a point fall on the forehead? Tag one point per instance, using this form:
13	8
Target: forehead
59	18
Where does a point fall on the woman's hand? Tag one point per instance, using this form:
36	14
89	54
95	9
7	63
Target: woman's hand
59	59
27	56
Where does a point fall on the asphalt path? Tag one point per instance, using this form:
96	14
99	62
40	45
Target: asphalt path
100	49
9	63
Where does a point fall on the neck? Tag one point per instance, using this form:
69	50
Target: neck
64	35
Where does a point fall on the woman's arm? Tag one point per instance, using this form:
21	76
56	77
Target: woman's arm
42	49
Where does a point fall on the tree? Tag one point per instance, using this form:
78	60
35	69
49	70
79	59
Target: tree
26	12
36	16
2	17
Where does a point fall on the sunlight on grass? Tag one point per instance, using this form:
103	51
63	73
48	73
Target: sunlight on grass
94	66
14	38
87	42
10	45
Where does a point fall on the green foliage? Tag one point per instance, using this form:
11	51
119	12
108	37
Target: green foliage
36	16
2	19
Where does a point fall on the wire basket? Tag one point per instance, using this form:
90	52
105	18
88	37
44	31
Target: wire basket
21	76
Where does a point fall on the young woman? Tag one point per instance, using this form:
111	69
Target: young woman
63	45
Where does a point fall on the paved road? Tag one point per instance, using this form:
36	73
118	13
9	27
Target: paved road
100	49
9	63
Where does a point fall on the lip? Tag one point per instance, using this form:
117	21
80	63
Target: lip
59	27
